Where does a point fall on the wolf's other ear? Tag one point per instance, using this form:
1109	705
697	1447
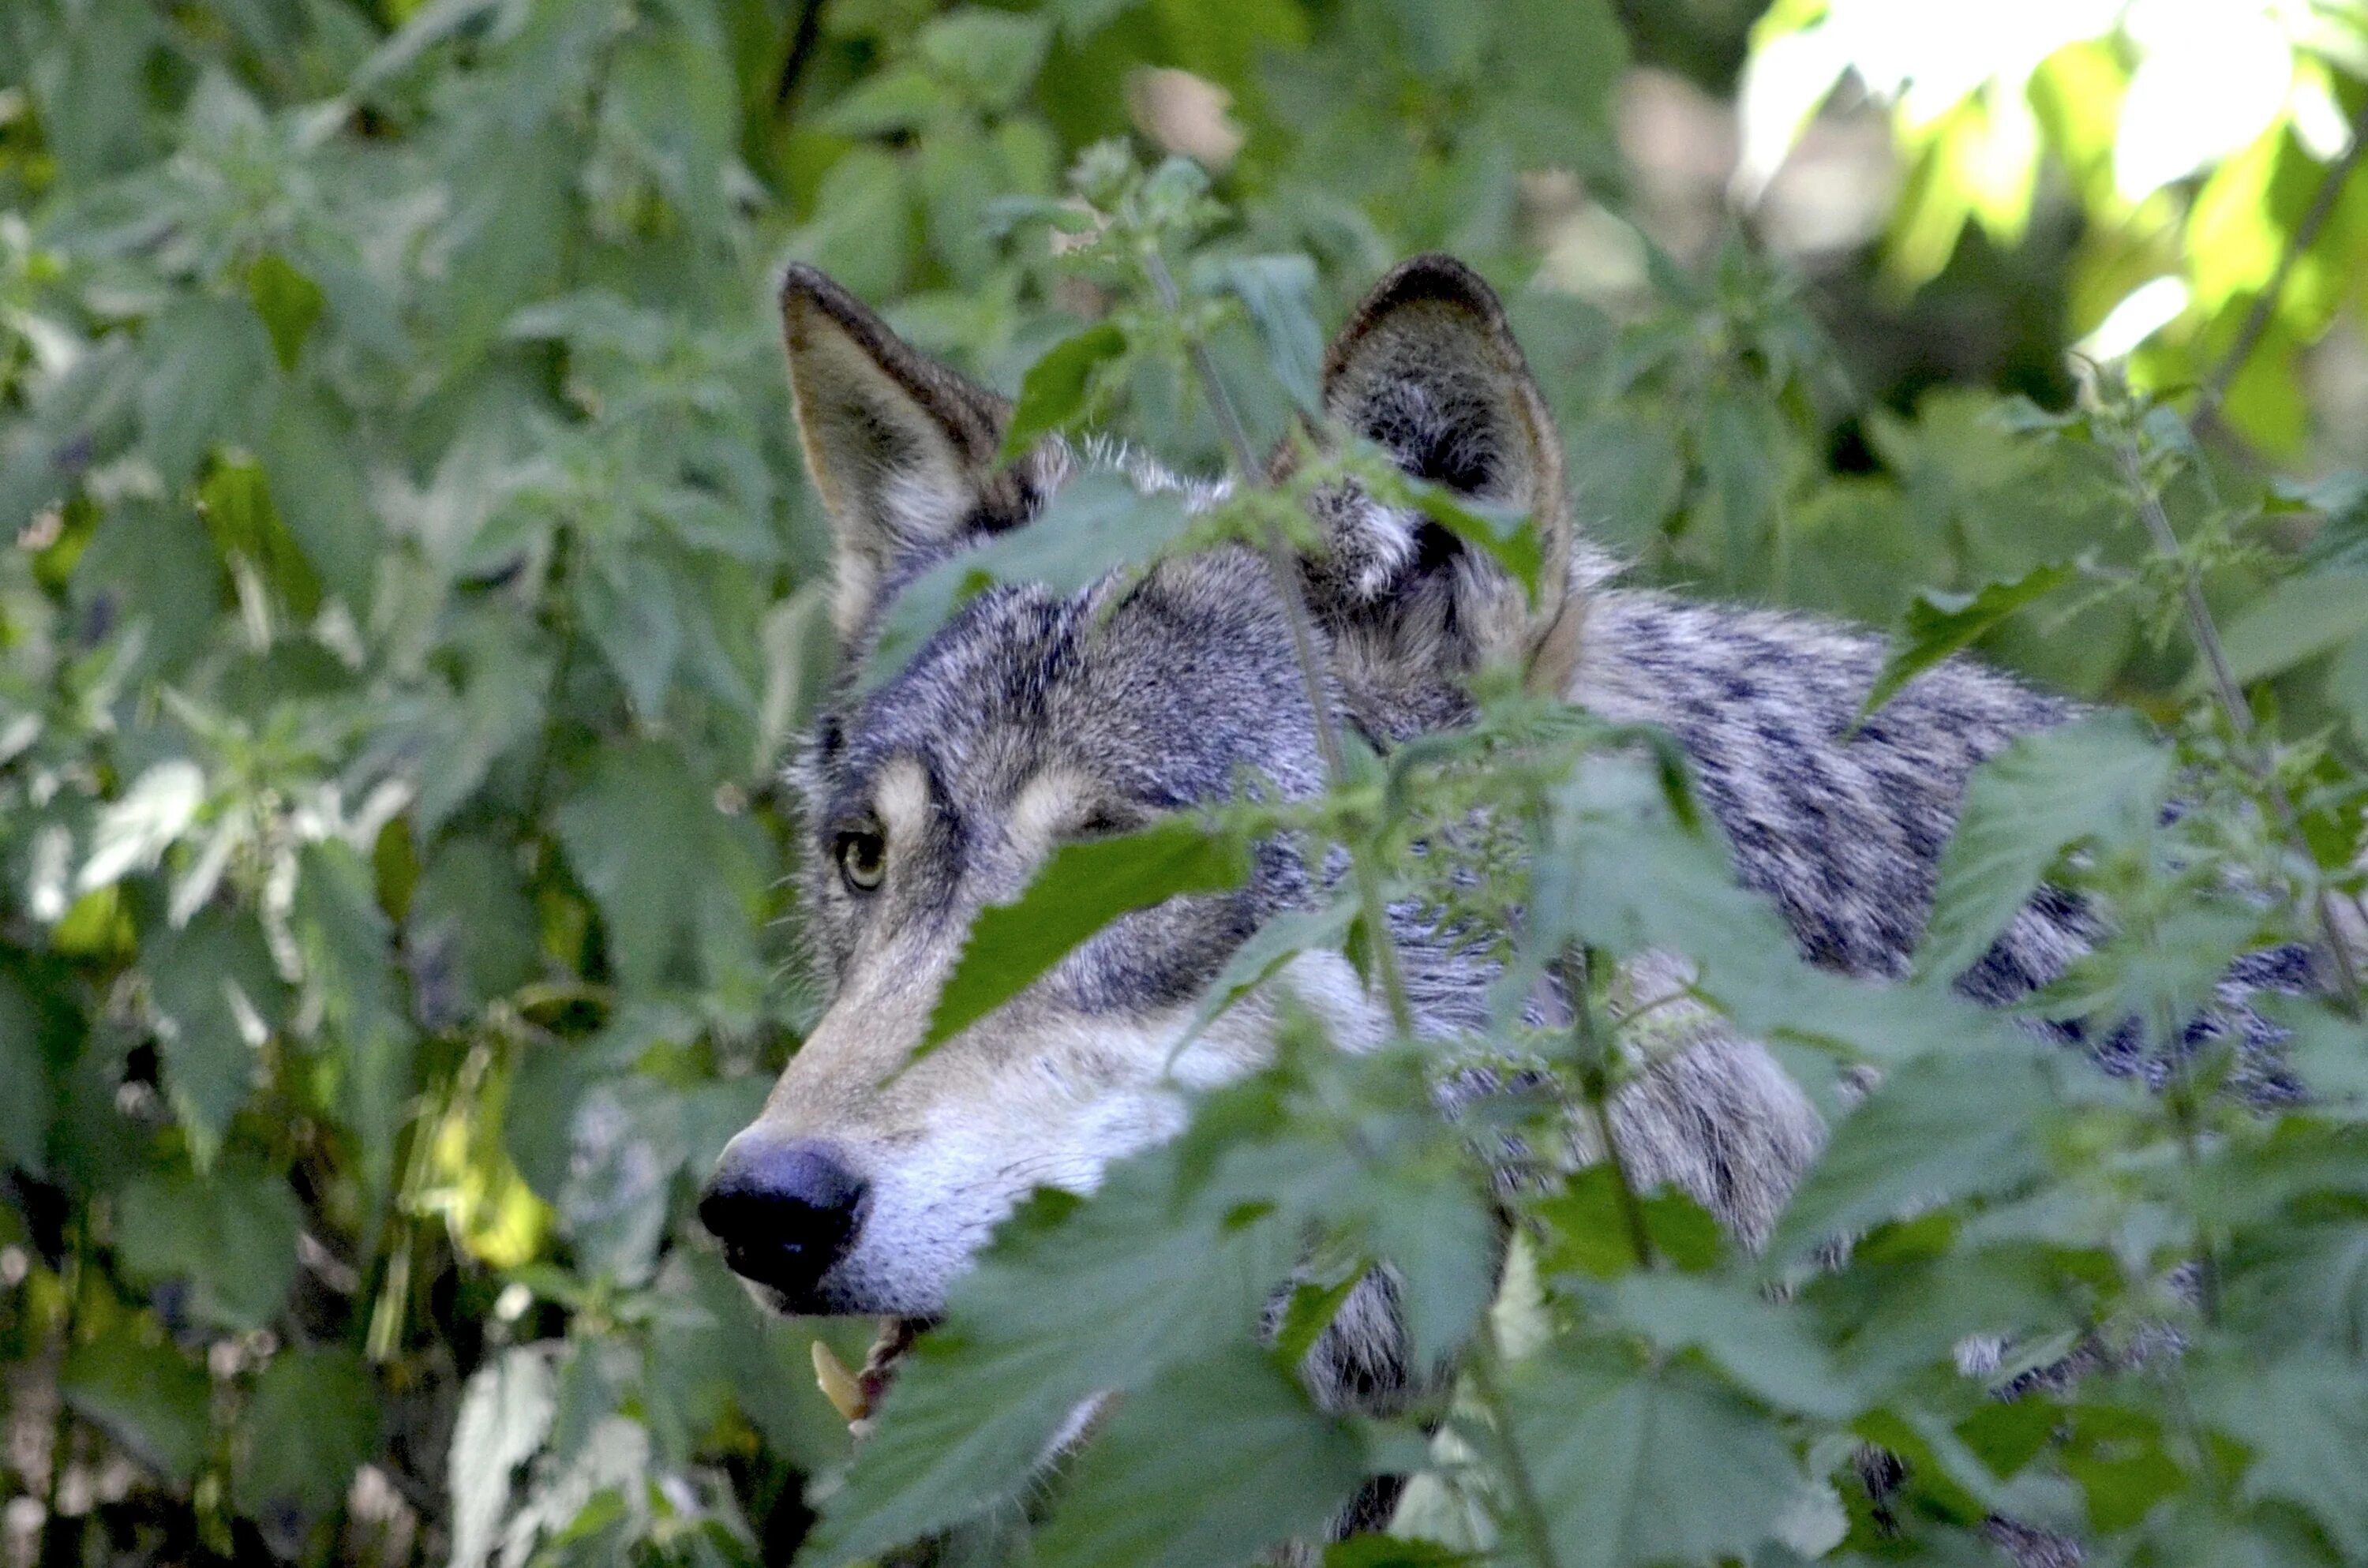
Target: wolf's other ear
901	448
1427	370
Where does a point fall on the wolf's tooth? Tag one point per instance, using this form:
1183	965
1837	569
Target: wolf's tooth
837	1384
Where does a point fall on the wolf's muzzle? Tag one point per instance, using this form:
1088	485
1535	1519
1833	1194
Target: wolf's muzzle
786	1212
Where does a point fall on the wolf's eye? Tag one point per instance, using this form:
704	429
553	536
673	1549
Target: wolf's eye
862	859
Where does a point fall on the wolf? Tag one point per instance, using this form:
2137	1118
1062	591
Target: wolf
1033	716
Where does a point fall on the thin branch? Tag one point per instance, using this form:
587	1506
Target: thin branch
2250	750
803	42
1594	1068
1373	905
1528	1501
2265	303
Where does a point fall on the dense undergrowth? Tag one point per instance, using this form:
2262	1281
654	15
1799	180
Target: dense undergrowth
413	587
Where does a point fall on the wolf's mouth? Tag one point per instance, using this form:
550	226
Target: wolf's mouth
856	1395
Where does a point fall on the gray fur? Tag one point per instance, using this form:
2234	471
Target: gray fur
1137	698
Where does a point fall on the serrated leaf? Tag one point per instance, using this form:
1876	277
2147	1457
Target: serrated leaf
1283	938
1099	523
2305	1416
25	1108
2102	777
1765	1346
1053	393
1215	1459
1083	887
1940	1127
2299	619
1939	624
207	358
1070	1300
505	1414
1506	534
1636	1465
232	1235
1279	292
648	843
994	53
1588	1228
348	949
145	1395
329	1397
202	980
288	301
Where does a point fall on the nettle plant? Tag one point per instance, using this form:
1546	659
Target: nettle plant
2013	1288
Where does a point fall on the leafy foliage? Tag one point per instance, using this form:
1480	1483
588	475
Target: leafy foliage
413	588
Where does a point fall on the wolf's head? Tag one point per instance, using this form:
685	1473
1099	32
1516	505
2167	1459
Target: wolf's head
1033	716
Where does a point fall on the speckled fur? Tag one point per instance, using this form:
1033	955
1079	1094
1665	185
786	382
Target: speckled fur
1031	714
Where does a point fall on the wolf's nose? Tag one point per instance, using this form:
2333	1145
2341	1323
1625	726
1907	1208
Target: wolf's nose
785	1212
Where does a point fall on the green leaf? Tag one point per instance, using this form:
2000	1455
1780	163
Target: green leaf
1765	1346
1503	532
1099	523
288	301
1280	293
348	949
670	97
1442	1241
635	616
2102	777
1285	937
1214	1461
1744	451
503	671
2299	619
321	498
1588	1230
207	982
1084	887
25	1108
206	360
1938	625
996	54
144	1394
1636	1465
1070	1300
1940	1127
236	501
2305	1416
505	1414
907	99
1053	392
680	885
231	1234
471	929
312	1421
2117	1457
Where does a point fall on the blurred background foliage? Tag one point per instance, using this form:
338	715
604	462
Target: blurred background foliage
410	587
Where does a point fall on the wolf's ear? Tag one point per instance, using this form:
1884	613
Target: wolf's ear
901	448
1427	370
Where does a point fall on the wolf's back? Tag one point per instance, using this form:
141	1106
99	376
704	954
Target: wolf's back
1842	824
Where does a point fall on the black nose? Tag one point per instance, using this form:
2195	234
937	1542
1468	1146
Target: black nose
786	1213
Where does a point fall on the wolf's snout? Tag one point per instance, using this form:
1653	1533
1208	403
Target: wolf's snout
786	1213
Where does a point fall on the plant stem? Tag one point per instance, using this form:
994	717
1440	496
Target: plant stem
2265	303
2250	750
1373	904
1528	1506
1594	1081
